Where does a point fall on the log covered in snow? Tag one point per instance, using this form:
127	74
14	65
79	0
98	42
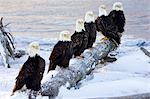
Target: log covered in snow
78	69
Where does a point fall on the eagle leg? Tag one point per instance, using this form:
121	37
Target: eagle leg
80	57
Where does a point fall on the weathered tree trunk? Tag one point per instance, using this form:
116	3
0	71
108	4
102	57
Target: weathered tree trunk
7	44
78	69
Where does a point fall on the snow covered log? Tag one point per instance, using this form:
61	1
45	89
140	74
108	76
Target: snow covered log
78	69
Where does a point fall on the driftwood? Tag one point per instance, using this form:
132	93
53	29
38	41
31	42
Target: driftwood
6	44
145	51
78	69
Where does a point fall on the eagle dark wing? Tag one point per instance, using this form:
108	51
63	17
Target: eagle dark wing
31	74
118	18
24	73
42	67
91	29
76	39
56	55
57	51
61	55
97	22
67	54
108	28
84	41
80	41
38	67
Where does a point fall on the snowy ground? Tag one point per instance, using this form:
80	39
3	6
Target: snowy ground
128	75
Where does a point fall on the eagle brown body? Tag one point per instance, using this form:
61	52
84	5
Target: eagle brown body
31	74
105	25
91	29
61	55
80	42
118	19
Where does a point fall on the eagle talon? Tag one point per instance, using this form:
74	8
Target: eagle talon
104	39
102	61
79	57
116	44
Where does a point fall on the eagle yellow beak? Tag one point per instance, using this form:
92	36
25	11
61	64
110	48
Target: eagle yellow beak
119	6
35	47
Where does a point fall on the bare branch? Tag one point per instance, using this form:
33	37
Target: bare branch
1	22
145	51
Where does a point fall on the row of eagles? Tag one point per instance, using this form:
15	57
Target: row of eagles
111	26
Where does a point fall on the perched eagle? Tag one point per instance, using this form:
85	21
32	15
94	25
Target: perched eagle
90	27
105	25
79	38
62	51
118	17
32	70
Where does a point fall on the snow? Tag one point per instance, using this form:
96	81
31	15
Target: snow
128	75
44	20
110	88
49	75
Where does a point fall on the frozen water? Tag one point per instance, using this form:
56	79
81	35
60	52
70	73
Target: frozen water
46	18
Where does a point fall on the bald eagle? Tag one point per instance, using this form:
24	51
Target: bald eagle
105	25
118	17
90	27
79	38
62	51
32	70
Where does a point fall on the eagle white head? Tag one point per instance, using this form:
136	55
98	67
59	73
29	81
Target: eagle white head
33	49
79	25
89	17
118	6
102	10
65	36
